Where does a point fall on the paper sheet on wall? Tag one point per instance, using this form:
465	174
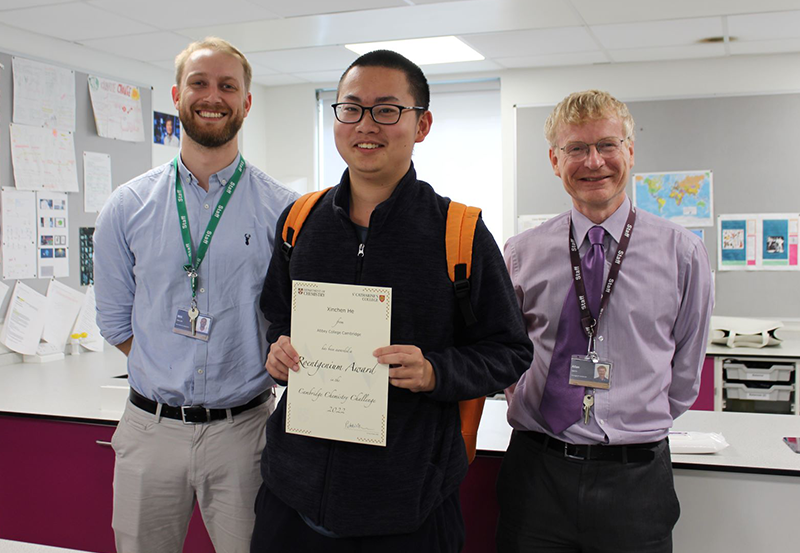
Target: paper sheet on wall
63	305
19	233
683	197
52	224
758	242
44	95
525	222
24	320
87	322
96	181
43	159
117	109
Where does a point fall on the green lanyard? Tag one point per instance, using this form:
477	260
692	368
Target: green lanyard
193	265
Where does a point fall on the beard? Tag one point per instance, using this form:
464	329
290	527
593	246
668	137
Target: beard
210	138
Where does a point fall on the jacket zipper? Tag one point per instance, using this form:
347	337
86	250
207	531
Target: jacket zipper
361	248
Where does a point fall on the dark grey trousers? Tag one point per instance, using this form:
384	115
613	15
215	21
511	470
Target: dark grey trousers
550	503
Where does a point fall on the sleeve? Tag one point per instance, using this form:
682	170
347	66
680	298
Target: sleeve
276	293
691	330
114	280
493	353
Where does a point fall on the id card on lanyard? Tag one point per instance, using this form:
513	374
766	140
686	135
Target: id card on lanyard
590	370
190	322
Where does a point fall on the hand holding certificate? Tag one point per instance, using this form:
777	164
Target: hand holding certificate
340	391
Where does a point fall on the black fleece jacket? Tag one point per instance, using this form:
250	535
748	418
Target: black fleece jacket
361	490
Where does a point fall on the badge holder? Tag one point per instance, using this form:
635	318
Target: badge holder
590	371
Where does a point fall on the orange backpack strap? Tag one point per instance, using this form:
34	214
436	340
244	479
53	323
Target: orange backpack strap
297	216
460	233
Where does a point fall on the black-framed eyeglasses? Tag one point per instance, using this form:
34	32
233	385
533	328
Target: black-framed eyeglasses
607	148
383	114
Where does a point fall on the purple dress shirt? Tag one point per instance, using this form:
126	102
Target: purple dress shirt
654	330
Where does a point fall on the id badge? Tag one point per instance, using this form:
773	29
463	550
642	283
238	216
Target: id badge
183	325
583	371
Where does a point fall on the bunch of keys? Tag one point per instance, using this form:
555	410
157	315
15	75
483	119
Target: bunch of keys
193	313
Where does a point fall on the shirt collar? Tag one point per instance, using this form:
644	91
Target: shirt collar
614	224
222	176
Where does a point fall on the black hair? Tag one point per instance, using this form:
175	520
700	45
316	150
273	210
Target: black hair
392	60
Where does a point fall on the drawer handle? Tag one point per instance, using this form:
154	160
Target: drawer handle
101	442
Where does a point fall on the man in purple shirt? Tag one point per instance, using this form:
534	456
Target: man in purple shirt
588	467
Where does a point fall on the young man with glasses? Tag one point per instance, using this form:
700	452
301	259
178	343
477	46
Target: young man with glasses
381	226
588	467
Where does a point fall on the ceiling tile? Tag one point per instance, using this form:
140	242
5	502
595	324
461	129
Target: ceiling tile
553	60
653	34
278	80
534	42
429	20
176	14
460	67
765	26
780	46
314	7
15	4
145	47
320	76
628	11
74	21
301	60
693	51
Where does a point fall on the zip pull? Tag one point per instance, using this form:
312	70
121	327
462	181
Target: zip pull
361	250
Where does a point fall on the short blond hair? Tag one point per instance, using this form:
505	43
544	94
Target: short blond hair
581	107
218	45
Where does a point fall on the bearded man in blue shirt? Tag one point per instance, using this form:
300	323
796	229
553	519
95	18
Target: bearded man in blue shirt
180	257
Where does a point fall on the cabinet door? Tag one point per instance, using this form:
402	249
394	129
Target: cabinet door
56	486
55	483
705	399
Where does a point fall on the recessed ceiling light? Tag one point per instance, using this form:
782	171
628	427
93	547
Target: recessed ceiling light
423	51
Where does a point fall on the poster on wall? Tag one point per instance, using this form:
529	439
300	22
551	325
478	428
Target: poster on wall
53	234
683	197
86	245
96	181
19	233
117	109
758	242
43	159
44	95
166	129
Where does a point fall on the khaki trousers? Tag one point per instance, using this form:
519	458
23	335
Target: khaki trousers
163	467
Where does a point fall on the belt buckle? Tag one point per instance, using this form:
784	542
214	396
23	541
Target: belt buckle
184	411
574	455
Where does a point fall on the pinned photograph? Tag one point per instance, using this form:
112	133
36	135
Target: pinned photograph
166	129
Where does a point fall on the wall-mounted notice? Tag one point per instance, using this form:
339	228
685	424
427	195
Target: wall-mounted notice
683	197
86	245
43	159
525	222
117	109
96	181
52	224
44	95
24	320
758	242
19	233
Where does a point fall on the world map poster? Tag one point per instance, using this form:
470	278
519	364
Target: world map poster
683	197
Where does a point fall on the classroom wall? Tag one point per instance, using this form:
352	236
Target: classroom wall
252	139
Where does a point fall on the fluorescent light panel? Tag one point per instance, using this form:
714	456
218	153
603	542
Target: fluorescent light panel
423	51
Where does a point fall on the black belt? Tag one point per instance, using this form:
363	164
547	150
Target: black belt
195	414
631	453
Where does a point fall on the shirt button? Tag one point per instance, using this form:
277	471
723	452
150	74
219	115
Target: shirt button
206	206
223	181
600	338
199	371
202	290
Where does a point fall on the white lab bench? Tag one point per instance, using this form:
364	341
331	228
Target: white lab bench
741	499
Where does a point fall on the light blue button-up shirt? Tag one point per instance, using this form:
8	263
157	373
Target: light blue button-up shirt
140	284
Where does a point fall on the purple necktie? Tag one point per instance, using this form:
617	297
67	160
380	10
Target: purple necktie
562	403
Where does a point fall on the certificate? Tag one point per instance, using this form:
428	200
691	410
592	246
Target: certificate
341	391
